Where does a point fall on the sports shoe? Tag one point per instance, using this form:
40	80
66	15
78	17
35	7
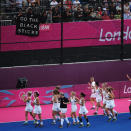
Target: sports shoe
81	125
41	124
95	113
60	126
109	119
68	124
26	123
35	121
37	124
78	123
114	119
74	123
116	114
129	118
53	123
88	124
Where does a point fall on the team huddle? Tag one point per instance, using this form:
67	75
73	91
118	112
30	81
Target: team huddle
60	103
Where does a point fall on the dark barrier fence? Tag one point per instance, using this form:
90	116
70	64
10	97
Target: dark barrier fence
60	17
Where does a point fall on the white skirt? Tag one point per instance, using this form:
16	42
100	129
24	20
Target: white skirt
56	107
83	110
37	109
73	108
93	95
63	110
110	104
29	108
104	101
98	99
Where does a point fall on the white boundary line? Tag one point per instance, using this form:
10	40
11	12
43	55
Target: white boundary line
51	118
63	64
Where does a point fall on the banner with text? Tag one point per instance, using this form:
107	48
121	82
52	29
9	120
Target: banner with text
27	25
76	34
9	98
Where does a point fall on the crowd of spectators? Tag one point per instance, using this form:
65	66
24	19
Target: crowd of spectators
49	11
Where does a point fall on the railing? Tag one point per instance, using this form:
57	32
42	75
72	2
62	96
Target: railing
6	22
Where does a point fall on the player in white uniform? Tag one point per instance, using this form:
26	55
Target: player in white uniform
56	107
37	108
93	94
28	108
110	104
98	97
73	101
83	111
104	93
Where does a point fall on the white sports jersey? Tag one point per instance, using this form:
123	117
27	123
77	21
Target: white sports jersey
93	83
28	107
73	104
28	103
73	101
104	94
37	109
110	104
83	109
98	93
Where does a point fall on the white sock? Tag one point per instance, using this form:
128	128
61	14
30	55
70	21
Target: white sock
115	111
41	123
54	120
67	120
77	119
114	117
93	106
81	123
73	119
104	111
109	116
62	121
37	122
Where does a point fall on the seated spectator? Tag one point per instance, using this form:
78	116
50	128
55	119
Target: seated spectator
112	15
126	8
118	15
105	16
49	16
68	4
118	7
19	3
112	8
56	15
127	13
67	15
43	17
92	14
25	3
98	15
86	14
99	11
78	14
53	3
34	2
76	2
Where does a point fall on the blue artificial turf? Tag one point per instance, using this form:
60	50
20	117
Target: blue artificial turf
98	123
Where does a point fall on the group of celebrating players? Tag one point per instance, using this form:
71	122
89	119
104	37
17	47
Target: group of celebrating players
59	101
